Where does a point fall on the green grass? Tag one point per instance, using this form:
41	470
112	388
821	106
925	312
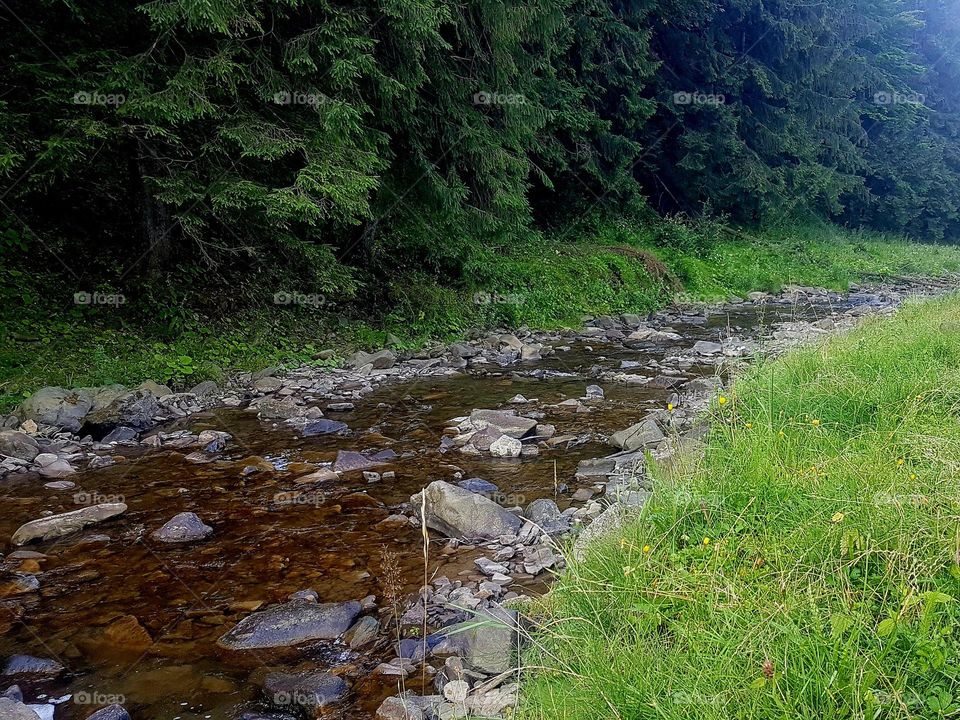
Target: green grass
806	567
547	282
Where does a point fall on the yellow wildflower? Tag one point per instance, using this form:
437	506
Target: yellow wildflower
722	400
646	548
706	541
749	425
670	407
900	462
815	422
837	517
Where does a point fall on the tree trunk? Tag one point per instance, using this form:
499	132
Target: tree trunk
153	217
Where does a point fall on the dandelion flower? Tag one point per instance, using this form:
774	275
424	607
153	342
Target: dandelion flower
837	517
900	462
749	425
722	400
646	548
669	407
913	476
815	422
706	541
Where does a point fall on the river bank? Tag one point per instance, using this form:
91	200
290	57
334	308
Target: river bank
63	332
806	567
309	489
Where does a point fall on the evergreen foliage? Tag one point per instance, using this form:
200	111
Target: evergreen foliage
341	142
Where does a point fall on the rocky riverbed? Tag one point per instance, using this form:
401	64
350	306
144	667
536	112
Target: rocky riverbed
256	551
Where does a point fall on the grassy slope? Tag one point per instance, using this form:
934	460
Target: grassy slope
807	568
46	340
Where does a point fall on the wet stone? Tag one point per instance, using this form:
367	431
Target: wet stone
310	691
182	528
30	665
290	624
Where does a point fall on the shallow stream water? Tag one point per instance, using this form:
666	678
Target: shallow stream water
136	621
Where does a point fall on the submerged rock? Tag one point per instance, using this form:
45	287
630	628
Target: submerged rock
290	624
59	525
30	665
456	512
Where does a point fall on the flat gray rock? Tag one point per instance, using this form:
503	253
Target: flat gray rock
456	512
59	525
644	434
506	422
30	665
290	624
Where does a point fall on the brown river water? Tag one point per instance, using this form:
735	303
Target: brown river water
137	622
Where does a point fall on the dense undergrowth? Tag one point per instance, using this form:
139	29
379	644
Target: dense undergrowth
806	567
169	336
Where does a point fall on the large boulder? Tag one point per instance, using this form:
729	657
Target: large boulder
56	526
290	624
645	433
18	445
58	407
134	409
380	360
507	422
456	512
